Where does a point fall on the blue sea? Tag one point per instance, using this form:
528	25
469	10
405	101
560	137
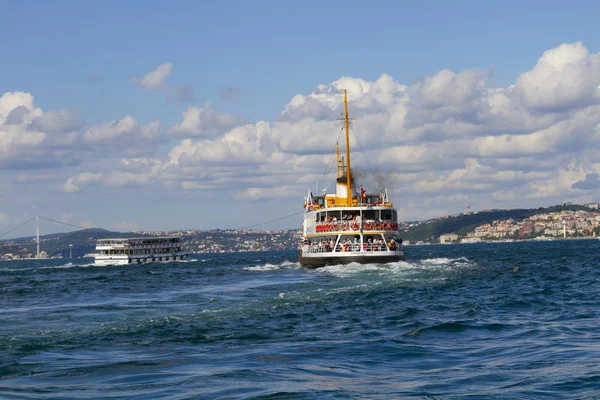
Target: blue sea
482	321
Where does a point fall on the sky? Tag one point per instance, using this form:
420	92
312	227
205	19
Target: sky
161	115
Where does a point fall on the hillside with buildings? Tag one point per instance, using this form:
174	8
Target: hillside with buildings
544	226
518	224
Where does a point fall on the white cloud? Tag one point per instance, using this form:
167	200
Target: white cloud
9	101
126	135
445	140
204	122
74	183
57	121
268	193
564	78
240	146
22	144
31	139
447	88
155	80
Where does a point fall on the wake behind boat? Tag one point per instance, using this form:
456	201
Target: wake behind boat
349	226
139	250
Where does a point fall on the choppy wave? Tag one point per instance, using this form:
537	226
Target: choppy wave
272	267
62	266
399	267
70	265
501	321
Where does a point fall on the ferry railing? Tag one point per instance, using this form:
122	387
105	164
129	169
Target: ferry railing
354	226
154	246
351	247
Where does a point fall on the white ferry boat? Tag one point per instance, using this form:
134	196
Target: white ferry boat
349	226
139	250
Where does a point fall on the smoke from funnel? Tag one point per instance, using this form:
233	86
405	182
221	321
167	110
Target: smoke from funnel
372	181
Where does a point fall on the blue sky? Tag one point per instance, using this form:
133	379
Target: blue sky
87	59
261	46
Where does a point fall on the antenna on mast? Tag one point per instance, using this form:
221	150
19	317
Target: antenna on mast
341	167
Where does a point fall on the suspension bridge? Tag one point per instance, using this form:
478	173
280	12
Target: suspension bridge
78	242
37	232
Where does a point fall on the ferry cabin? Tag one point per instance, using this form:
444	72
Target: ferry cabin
139	250
366	229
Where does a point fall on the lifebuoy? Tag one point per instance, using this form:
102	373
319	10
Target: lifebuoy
395	227
368	226
377	225
354	226
328	227
336	227
388	226
344	227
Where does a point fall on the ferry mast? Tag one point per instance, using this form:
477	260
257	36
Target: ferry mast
348	174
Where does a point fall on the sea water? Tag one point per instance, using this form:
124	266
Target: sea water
502	321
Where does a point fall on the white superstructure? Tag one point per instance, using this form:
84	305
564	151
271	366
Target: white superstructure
139	250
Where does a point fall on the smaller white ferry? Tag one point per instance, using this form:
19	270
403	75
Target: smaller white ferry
139	250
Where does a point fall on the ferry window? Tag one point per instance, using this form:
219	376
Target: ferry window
370	215
387	215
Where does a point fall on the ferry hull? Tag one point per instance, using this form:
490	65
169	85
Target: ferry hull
135	260
322	261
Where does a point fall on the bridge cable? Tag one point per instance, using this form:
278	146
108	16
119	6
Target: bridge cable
15	228
64	223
